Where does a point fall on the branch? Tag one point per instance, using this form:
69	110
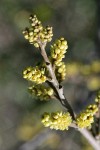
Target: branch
36	141
55	84
88	136
46	35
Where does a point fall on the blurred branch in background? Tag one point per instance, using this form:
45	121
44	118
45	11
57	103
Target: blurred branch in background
45	136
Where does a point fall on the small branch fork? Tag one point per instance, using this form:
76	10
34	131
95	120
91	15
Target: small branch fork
60	96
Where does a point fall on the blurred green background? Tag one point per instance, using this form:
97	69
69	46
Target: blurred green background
76	20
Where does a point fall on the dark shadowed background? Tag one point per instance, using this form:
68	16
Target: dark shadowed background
20	114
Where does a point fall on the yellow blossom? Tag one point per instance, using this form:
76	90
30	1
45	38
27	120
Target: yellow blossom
37	32
85	119
35	74
40	91
58	50
57	120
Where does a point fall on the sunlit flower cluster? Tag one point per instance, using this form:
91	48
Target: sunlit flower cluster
57	120
85	119
58	50
37	32
35	74
40	91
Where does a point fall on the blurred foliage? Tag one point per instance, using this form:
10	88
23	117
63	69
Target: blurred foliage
89	74
77	21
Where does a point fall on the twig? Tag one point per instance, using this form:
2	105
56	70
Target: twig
58	88
37	141
88	136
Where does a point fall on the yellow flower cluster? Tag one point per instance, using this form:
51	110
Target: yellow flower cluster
41	92
61	72
86	118
58	50
37	32
57	120
35	74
